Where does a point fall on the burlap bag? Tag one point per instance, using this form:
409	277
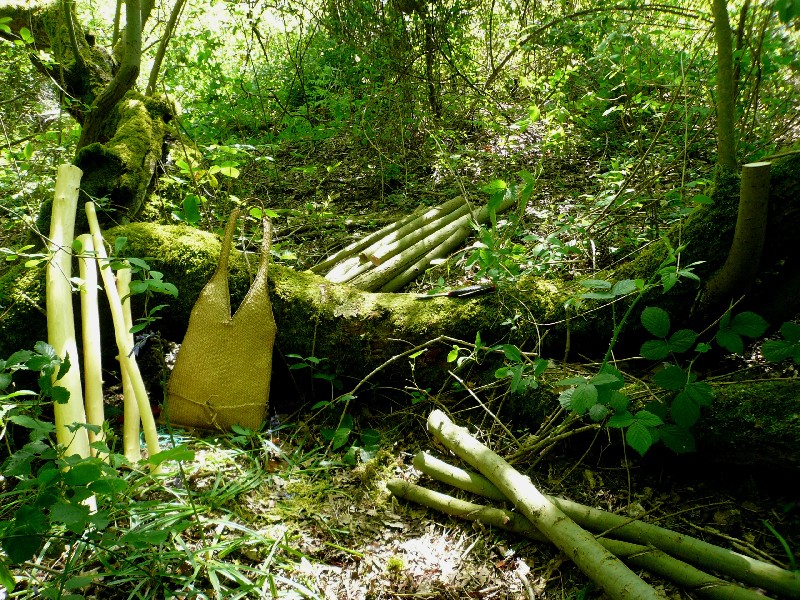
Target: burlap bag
223	369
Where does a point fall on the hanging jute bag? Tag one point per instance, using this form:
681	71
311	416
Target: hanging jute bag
222	373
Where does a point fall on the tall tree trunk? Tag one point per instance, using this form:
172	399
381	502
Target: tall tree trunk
726	89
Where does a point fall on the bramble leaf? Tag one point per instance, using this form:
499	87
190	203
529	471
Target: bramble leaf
682	340
749	324
685	411
671	378
655	349
656	321
730	340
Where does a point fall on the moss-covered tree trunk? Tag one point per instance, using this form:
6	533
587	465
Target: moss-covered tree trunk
122	135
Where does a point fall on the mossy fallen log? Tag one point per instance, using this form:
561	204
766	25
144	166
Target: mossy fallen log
356	330
359	331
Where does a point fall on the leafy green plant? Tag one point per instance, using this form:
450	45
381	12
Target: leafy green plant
788	347
318	371
361	445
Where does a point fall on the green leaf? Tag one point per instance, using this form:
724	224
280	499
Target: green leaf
565	399
605	379
678	439
76	582
19	357
178	453
700	392
671	378
647	418
682	340
655	349
108	486
119	245
83	473
340	437
658	408
621	420
497	185
31	423
25	537
63	369
639	438
59	394
44	349
789	330
730	340
618	401
191	209
656	321
583	398
787	9
453	354
143	539
600	284
5	380
6	577
74	516
749	324
685	411
598	295
668	280
570	381
512	353
702	199
624	287
778	350
598	412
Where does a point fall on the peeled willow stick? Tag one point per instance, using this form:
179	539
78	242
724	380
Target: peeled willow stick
124	346
642	557
611	574
364	242
417	230
348	268
60	318
695	551
130	415
92	350
453	233
418	267
358	259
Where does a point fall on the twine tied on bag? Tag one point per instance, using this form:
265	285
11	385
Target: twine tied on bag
223	369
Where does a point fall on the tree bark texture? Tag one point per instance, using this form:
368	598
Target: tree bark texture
123	132
726	89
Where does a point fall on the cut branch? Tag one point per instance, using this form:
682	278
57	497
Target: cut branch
690	549
388	259
637	555
616	579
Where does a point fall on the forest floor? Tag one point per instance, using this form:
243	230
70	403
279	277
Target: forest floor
357	541
333	530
